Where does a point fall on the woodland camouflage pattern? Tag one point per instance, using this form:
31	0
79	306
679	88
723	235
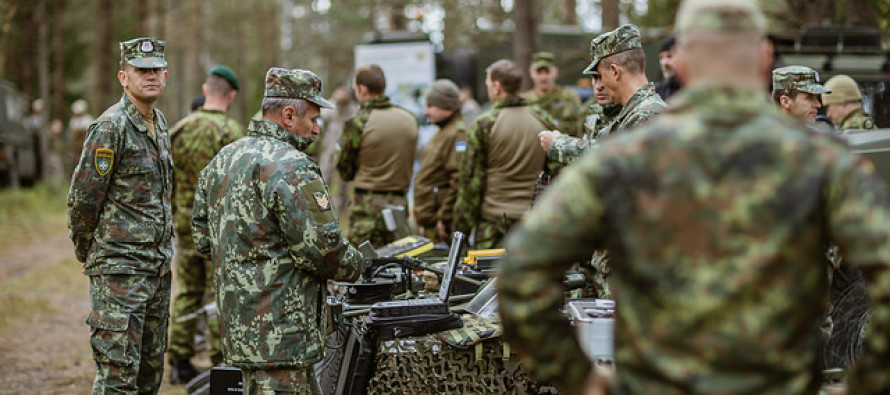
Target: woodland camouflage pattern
473	174
858	119
566	149
721	207
195	140
264	216
563	105
144	53
624	38
643	104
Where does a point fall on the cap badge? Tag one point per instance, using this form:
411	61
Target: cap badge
147	46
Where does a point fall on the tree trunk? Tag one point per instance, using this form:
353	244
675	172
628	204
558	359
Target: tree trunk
610	14
160	18
861	13
105	79
142	15
43	66
525	38
567	13
812	12
397	20
58	107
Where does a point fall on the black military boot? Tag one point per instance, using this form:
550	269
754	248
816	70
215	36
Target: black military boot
182	372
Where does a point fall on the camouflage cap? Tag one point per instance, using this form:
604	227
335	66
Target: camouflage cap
709	16
144	53
295	84
803	79
542	59
624	38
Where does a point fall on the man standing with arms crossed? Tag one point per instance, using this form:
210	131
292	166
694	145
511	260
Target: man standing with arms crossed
120	221
264	216
195	140
716	214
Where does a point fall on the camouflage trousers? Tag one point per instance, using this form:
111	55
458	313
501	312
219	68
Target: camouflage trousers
194	274
596	271
128	332
490	233
280	381
365	220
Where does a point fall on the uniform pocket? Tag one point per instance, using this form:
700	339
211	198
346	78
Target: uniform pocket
109	337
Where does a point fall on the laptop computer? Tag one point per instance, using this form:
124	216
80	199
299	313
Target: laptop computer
434	305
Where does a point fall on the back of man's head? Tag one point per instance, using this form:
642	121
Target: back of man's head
371	76
507	74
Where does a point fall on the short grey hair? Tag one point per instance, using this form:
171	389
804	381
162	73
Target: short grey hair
276	104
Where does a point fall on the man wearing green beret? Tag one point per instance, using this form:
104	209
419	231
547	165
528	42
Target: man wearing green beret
715	214
562	104
195	140
120	220
265	218
796	91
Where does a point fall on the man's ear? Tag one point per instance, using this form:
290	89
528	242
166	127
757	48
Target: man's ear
288	116
122	77
785	102
615	70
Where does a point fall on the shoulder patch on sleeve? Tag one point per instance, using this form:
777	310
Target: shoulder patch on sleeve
460	146
103	160
868	124
318	201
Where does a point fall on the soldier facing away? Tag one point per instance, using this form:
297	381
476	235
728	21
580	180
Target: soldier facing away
263	214
844	104
195	140
717	212
562	104
120	220
502	161
378	145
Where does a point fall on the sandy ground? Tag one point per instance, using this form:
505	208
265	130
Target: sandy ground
44	342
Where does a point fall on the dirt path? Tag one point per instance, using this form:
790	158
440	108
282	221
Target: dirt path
44	343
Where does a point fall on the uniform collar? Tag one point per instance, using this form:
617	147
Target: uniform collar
263	128
510	101
135	116
381	101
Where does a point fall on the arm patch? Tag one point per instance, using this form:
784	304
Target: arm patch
318	201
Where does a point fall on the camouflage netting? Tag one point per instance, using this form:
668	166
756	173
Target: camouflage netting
850	316
426	365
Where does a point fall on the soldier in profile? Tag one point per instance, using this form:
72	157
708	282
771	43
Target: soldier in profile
796	91
843	104
715	214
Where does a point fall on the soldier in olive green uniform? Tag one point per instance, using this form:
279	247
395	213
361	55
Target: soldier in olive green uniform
844	104
195	140
121	222
716	212
502	162
263	214
796	91
378	146
435	187
562	104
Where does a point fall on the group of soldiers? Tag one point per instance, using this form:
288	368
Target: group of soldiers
712	210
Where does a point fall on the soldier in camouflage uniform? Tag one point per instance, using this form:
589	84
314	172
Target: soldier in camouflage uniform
844	104
264	216
502	162
195	140
378	146
562	104
120	220
435	187
796	91
716	211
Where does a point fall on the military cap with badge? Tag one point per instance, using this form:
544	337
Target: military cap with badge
624	38
144	53
800	78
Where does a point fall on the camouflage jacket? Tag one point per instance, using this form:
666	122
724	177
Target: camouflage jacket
435	186
563	105
265	218
858	119
473	172
119	214
565	149
195	140
643	104
719	212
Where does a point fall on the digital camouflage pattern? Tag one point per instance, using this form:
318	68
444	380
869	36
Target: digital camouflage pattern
144	53
265	218
721	208
295	84
290	381
858	119
128	332
435	186
195	140
120	221
474	176
563	105
799	78
642	105
566	149
624	38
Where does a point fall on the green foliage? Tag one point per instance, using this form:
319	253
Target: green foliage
28	215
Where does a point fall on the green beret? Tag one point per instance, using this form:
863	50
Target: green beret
144	53
710	16
542	59
225	73
624	38
295	84
800	78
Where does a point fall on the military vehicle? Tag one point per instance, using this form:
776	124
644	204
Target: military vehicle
19	148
